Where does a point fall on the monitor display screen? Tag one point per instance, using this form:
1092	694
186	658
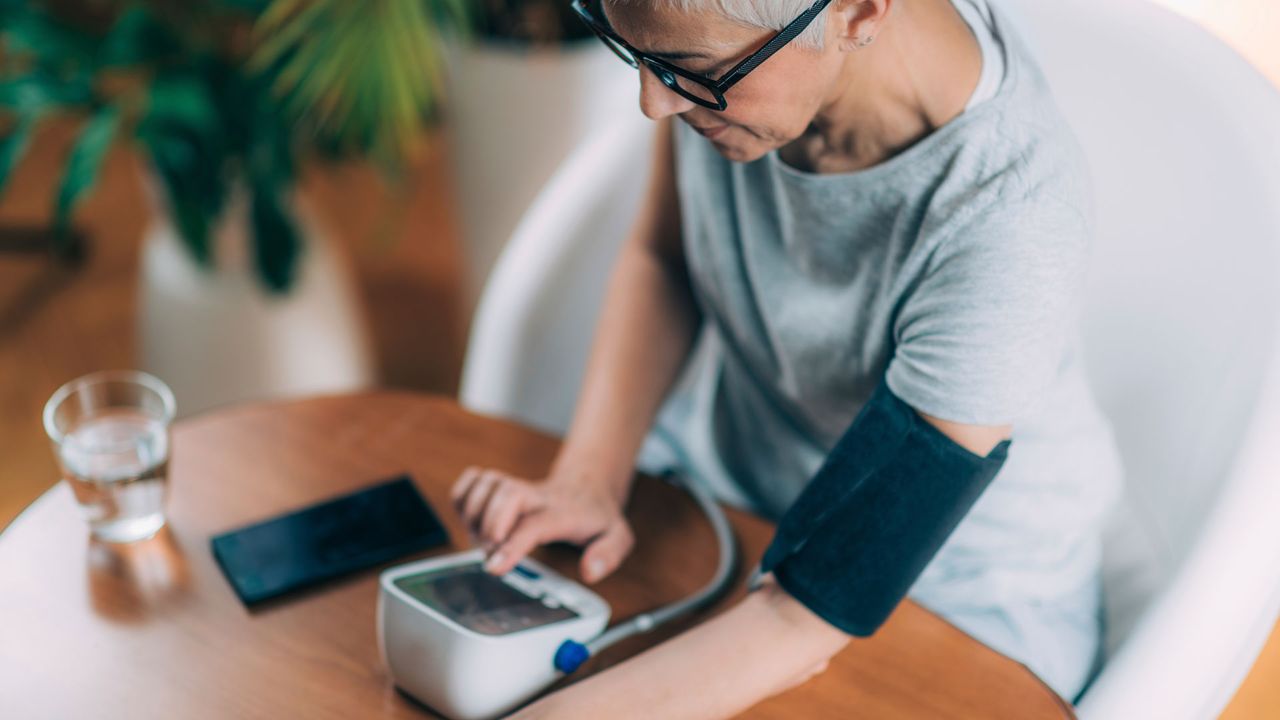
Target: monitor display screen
480	601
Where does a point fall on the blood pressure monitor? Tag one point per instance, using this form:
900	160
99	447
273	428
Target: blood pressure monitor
474	645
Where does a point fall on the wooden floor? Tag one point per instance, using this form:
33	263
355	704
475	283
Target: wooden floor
57	323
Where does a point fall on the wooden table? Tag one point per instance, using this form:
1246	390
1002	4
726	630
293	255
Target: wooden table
152	630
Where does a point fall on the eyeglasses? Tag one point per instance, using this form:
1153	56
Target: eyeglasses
705	91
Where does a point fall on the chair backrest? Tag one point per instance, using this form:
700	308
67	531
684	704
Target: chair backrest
533	327
1183	139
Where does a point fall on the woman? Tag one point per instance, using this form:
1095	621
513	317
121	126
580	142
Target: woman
889	200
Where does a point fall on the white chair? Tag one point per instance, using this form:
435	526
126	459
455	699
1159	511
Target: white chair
1181	329
532	329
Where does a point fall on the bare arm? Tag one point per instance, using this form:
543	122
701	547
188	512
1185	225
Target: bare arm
645	332
643	337
764	645
977	439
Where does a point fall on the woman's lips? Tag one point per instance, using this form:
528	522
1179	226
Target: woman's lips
711	133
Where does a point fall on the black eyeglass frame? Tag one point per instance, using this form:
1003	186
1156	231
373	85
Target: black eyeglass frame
665	71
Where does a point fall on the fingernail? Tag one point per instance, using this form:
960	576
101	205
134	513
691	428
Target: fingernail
494	561
596	569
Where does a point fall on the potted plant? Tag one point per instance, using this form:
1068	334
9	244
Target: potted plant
225	100
524	89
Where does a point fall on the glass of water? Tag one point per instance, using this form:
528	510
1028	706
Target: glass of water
110	431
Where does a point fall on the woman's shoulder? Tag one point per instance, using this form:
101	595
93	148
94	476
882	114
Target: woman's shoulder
1020	158
1019	193
1030	150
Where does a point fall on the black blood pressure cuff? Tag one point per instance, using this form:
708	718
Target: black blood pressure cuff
886	497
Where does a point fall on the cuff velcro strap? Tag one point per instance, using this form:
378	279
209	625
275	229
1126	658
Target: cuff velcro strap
885	499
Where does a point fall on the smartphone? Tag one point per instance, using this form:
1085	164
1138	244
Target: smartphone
326	540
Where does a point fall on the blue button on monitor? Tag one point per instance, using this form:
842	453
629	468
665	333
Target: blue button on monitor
527	572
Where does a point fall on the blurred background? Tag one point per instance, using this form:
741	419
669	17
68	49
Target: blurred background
256	199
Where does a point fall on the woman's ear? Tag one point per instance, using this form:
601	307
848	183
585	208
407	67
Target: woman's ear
858	21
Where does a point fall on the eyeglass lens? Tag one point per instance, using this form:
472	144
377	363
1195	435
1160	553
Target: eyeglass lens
688	88
684	86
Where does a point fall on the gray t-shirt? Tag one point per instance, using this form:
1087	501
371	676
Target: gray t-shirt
955	270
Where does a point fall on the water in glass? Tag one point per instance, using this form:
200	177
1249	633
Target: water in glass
117	465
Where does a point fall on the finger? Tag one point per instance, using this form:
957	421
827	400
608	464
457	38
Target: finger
532	530
494	494
517	498
607	552
508	503
462	485
478	496
476	540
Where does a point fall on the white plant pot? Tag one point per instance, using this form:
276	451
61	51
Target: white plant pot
514	115
219	336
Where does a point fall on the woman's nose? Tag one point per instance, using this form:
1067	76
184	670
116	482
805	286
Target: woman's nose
657	100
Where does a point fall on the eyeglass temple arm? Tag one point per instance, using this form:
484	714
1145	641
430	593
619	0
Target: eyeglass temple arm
787	35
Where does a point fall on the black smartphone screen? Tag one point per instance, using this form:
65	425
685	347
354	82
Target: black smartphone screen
328	539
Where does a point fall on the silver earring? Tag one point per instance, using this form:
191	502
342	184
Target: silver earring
865	41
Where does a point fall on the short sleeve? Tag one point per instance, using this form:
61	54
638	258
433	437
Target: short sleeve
983	332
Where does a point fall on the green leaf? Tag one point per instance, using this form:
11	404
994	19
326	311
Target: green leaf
275	239
182	100
281	29
37	93
186	201
193	223
253	7
83	167
455	14
356	77
270	174
14	146
278	12
190	168
52	43
138	37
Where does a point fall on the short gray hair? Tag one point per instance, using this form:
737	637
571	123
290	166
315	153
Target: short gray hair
764	14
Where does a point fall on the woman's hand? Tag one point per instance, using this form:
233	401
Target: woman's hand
511	516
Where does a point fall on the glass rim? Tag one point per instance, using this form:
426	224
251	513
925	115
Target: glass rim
102	377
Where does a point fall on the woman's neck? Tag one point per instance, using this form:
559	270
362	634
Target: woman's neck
917	76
